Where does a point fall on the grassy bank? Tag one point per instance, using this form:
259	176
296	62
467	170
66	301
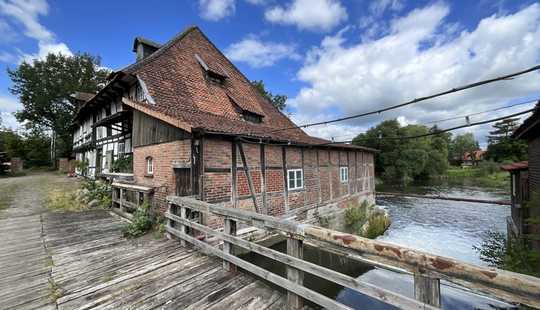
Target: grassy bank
478	177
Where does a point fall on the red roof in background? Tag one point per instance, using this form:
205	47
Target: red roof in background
516	166
478	155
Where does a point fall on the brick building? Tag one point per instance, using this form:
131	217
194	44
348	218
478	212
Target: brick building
189	123
525	182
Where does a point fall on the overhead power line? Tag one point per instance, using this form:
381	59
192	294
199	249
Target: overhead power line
478	113
450	91
442	130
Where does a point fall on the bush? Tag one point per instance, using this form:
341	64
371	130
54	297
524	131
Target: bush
96	191
356	216
487	167
496	251
123	164
141	222
377	225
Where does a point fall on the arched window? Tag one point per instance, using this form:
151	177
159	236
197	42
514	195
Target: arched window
149	165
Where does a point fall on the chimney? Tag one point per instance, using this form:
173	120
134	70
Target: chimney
144	47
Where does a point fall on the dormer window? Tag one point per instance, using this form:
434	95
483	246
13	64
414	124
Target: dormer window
213	74
252	117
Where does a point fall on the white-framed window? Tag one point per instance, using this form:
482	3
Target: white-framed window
344	174
295	179
149	165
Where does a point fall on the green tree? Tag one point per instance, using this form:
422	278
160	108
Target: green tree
501	146
279	101
44	86
460	145
406	159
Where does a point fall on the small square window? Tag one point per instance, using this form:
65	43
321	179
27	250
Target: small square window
344	174
295	178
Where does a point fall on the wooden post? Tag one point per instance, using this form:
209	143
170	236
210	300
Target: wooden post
263	180
295	249
248	176
427	290
233	175
183	228
122	200
228	248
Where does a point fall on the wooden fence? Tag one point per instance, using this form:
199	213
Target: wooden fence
126	198
427	269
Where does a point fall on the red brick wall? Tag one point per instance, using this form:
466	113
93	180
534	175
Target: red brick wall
163	155
321	174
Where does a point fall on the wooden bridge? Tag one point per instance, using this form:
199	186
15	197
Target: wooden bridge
82	261
428	270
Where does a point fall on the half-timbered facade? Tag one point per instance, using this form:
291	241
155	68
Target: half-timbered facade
190	124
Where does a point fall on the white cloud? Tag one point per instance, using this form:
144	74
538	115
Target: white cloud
257	2
316	15
48	48
27	14
8	104
8	57
380	6
419	57
258	54
216	9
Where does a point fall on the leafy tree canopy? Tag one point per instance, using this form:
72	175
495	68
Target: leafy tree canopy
408	158
460	145
501	146
279	101
44	87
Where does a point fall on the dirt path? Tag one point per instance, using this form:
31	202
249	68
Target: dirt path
25	265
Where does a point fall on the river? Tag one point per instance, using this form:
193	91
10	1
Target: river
442	227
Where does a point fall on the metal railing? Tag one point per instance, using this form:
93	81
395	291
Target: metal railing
428	269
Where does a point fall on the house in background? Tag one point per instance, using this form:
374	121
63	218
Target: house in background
187	122
473	158
525	183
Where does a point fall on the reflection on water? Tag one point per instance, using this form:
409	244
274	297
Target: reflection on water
447	228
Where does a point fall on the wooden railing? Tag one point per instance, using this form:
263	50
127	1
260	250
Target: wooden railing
126	198
427	269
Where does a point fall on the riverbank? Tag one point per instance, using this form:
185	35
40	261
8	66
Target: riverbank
478	177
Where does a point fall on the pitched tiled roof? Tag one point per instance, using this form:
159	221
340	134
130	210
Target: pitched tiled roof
526	129
178	83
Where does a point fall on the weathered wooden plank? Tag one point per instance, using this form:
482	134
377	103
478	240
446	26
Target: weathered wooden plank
257	295
503	284
267	275
229	229
295	249
322	272
427	290
252	218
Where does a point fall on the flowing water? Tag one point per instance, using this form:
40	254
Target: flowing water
447	228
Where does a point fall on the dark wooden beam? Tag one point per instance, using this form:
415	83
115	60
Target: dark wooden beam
248	176
263	179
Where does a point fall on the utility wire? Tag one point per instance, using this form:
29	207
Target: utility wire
477	113
453	90
442	130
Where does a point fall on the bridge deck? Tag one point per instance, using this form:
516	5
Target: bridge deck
82	261
96	267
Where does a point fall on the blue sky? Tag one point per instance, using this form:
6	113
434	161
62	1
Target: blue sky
330	57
